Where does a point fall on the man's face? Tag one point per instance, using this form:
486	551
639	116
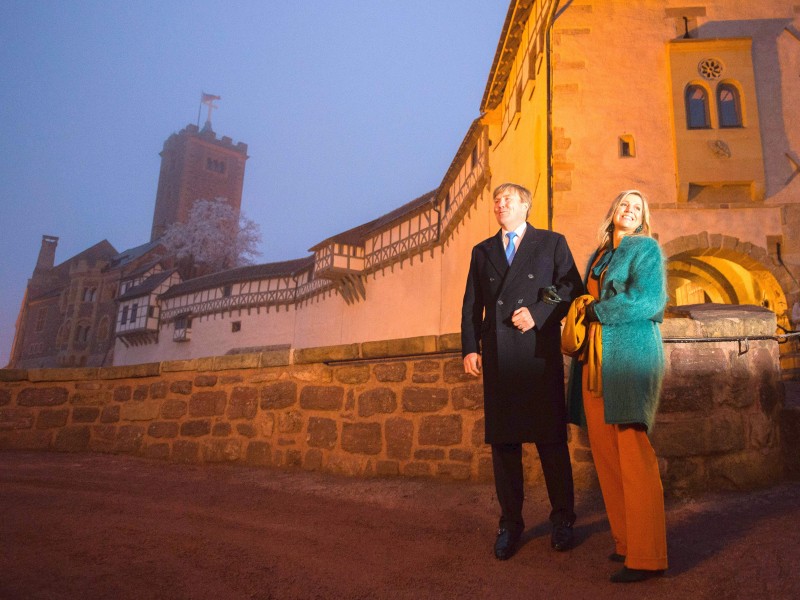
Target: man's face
509	210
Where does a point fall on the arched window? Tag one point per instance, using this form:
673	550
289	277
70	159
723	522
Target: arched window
729	105
697	108
103	329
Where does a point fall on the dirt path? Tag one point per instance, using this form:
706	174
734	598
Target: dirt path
93	526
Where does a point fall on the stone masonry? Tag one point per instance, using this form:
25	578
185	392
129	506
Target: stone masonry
413	413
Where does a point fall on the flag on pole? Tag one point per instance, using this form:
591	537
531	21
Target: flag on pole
206	98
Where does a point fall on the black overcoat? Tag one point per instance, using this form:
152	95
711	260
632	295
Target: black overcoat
523	373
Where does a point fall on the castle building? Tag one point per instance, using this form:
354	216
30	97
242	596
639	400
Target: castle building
69	311
194	165
73	313
692	104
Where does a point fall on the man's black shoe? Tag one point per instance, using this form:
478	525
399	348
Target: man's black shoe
561	537
626	575
506	543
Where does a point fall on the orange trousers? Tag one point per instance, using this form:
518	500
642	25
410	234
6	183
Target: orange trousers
627	469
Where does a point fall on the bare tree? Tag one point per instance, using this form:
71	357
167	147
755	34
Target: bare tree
213	238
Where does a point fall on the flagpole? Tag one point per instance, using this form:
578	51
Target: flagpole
199	108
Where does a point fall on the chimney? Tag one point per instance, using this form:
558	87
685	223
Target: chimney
47	254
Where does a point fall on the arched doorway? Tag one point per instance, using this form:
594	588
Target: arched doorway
717	268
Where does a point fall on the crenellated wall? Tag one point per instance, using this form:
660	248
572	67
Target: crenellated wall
394	408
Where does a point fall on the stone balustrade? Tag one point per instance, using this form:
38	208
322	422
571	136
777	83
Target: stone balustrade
393	408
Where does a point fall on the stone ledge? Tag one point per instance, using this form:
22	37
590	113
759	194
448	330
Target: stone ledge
718	320
68	374
424	344
276	358
236	361
13	375
450	342
194	364
323	354
130	371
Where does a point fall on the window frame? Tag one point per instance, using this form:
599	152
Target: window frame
690	89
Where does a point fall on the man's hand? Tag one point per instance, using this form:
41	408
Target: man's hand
473	364
522	319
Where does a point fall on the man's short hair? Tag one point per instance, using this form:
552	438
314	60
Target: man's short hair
523	192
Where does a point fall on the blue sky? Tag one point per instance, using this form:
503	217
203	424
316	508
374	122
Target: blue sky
349	108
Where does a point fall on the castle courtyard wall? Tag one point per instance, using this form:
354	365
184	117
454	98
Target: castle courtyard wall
394	408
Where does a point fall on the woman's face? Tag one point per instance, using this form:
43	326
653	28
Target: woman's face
628	215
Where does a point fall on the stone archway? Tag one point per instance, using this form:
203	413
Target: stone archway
719	268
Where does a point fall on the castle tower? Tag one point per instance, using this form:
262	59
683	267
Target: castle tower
196	165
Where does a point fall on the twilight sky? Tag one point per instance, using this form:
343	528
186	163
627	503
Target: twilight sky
350	108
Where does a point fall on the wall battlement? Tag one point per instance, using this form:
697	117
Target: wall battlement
393	408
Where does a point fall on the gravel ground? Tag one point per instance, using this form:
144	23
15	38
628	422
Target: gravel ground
96	526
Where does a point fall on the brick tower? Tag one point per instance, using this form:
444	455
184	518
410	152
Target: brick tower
196	165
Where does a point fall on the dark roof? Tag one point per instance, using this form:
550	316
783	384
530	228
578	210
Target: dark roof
148	285
239	274
131	254
467	144
100	251
510	38
357	235
54	280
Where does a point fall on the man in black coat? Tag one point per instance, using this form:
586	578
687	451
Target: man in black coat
520	284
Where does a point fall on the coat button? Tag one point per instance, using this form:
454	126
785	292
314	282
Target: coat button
530	275
491	278
500	302
519	301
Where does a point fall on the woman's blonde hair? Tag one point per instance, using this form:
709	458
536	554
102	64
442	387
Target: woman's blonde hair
604	234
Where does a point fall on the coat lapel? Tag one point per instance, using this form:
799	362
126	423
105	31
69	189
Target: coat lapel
497	254
521	258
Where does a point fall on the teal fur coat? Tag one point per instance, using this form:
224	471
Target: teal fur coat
631	305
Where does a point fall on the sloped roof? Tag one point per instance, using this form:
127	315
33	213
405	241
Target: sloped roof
148	285
358	235
54	280
102	250
239	274
131	254
507	47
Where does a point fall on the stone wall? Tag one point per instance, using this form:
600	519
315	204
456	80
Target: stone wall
392	408
719	419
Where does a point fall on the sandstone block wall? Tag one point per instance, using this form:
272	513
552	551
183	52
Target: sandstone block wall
414	413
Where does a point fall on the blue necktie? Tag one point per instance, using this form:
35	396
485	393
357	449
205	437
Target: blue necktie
510	249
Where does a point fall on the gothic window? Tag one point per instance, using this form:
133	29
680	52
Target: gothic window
218	166
697	116
89	294
82	333
729	105
40	318
63	333
103	329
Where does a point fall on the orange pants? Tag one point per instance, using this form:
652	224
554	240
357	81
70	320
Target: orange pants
631	484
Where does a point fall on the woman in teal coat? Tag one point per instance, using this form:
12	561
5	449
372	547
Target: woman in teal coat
627	284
